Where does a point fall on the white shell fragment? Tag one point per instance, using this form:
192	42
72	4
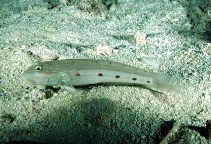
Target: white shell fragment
140	38
103	49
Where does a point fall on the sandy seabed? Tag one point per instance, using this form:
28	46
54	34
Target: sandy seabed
155	36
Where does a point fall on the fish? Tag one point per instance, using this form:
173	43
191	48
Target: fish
80	72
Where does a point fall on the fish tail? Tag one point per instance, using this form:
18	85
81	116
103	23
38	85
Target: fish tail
166	83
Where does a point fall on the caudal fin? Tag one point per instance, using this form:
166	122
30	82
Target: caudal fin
166	84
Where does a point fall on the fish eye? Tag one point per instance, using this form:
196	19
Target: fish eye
38	68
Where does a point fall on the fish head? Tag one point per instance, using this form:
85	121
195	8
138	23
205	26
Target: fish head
39	74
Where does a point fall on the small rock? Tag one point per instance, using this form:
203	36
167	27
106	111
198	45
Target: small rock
184	135
44	53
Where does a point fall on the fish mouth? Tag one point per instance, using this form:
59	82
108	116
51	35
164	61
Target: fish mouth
31	82
28	80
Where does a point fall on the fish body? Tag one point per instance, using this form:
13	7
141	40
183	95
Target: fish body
79	72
